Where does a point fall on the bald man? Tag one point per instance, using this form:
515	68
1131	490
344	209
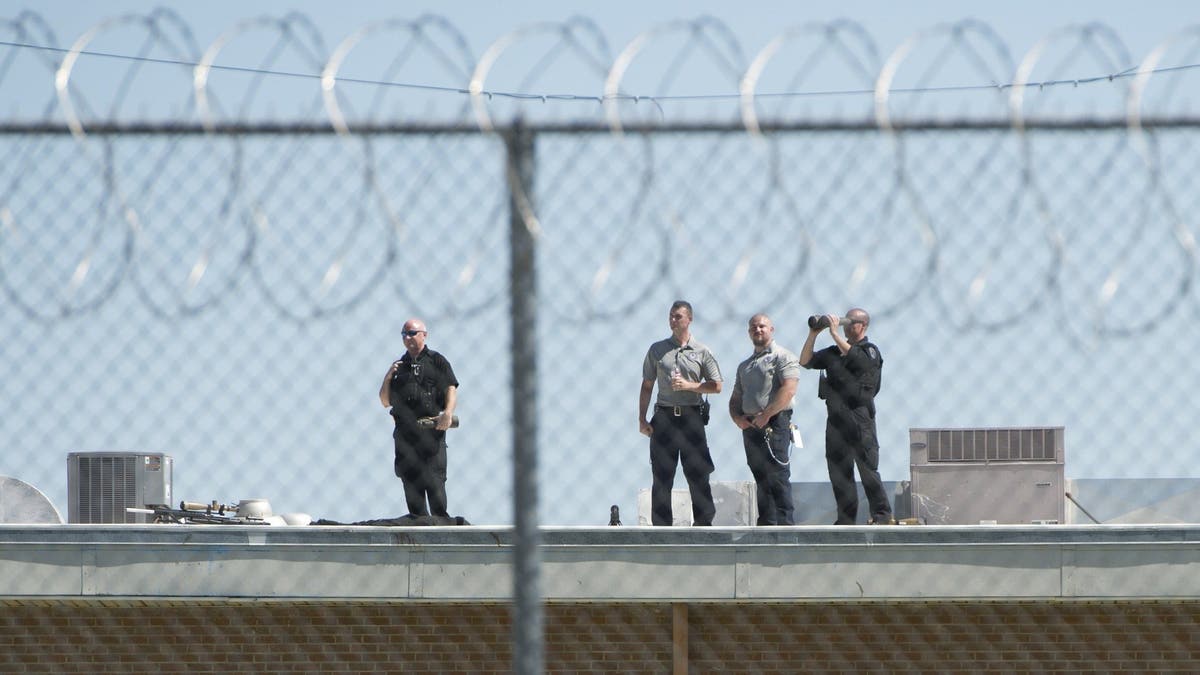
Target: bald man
761	406
852	377
420	384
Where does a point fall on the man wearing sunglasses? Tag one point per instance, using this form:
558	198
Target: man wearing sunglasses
420	384
684	369
852	376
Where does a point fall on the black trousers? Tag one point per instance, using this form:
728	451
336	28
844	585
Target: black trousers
769	461
680	440
421	465
850	442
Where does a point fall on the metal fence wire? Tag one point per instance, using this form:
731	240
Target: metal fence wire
198	273
228	299
227	287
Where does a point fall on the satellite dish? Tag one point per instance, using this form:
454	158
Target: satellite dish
20	502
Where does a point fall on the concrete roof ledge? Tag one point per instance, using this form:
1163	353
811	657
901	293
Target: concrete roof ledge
719	564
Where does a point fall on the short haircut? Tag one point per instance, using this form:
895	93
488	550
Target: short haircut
684	304
860	315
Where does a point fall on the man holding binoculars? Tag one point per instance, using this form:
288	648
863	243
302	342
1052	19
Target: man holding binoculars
852	376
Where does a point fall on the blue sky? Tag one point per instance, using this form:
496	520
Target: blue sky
1020	24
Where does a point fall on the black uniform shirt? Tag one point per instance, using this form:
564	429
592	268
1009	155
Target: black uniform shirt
418	389
851	380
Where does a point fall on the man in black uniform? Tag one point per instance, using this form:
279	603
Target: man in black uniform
684	370
852	377
421	385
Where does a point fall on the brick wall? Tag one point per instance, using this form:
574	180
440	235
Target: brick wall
245	637
927	637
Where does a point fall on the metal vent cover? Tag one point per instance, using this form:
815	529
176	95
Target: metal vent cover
988	475
1032	444
102	485
107	485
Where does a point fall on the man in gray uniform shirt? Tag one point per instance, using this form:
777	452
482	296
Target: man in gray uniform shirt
761	406
684	370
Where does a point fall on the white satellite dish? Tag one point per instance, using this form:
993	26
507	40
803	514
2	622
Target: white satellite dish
20	502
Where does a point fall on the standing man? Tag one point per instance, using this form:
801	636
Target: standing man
761	406
421	385
853	368
684	370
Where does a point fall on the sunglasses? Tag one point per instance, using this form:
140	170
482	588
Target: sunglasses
410	333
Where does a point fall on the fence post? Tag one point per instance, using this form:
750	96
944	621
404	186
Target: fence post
523	228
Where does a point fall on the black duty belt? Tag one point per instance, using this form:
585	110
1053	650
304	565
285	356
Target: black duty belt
677	410
781	412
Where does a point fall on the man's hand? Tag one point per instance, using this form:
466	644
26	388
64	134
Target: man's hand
442	421
645	428
761	420
680	384
741	422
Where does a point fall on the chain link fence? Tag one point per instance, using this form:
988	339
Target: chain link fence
161	296
188	269
230	291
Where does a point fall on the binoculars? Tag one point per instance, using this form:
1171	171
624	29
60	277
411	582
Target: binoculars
819	321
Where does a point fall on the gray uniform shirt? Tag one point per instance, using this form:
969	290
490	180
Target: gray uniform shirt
694	361
760	375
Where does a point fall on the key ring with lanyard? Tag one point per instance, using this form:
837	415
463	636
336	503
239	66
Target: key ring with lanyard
771	451
766	431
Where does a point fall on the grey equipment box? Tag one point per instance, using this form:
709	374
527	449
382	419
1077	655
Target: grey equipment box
988	475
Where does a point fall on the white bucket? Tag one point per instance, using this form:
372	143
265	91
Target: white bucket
259	509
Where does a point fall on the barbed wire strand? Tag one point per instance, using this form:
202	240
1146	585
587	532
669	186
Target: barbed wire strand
1129	72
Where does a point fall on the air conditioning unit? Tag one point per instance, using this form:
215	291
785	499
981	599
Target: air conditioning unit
101	485
974	476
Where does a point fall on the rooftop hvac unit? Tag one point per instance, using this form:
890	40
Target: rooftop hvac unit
101	485
973	476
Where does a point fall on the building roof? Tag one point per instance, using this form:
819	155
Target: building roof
719	564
